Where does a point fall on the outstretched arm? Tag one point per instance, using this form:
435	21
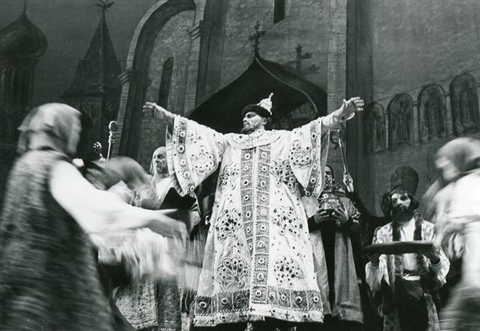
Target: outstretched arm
152	110
103	212
346	111
194	151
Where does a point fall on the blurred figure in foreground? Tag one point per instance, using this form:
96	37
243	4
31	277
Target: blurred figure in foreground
457	205
408	282
151	300
48	269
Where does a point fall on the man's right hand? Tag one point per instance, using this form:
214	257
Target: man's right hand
152	110
321	217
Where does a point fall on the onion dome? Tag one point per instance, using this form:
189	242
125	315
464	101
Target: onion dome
22	38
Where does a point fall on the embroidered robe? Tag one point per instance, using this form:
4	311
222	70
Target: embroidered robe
386	270
258	256
347	303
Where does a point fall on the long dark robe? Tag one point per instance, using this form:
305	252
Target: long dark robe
48	272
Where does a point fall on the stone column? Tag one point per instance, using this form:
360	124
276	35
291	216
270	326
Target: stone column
337	66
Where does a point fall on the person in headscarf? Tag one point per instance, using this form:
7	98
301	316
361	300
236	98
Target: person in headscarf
409	282
48	269
457	207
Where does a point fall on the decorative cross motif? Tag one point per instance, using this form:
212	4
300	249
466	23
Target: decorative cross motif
105	5
298	62
255	38
300	58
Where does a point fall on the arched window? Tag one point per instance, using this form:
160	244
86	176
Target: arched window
400	121
464	99
374	128
432	113
165	83
279	11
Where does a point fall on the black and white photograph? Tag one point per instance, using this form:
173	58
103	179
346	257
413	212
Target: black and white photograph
239	165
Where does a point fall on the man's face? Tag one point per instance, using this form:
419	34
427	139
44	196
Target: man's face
253	122
400	201
160	161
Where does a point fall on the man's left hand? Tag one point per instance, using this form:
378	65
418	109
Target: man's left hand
349	107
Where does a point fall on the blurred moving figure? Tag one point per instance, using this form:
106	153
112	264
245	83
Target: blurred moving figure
150	300
408	283
457	206
48	270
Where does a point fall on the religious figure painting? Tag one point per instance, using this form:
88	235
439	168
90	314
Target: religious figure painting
374	129
463	93
400	121
432	113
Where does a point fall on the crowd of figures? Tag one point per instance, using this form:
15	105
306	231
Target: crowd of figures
278	244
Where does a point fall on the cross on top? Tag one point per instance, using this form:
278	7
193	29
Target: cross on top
105	5
255	38
300	57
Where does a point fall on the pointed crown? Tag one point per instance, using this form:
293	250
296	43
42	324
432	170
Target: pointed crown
266	103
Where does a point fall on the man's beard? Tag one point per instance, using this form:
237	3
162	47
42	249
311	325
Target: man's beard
247	130
402	214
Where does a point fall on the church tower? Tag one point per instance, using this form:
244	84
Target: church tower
95	90
21	46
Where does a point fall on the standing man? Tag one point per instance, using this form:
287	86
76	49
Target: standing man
409	283
258	265
331	236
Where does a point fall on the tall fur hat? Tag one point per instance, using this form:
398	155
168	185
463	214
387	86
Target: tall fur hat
263	108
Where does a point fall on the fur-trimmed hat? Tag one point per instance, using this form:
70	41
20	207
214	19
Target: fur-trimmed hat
263	108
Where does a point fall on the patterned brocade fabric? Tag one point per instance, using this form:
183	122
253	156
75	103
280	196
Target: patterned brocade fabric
150	304
258	257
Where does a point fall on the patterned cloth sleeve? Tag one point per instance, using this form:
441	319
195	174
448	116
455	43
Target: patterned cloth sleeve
308	152
194	152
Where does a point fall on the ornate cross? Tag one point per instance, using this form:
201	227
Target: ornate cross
300	58
255	38
298	62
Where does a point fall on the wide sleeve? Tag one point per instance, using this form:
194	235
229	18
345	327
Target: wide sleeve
194	152
94	210
375	274
308	152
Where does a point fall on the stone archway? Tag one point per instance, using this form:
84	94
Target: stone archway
135	78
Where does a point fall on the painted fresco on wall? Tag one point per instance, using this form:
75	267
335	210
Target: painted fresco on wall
464	98
432	113
400	121
374	124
